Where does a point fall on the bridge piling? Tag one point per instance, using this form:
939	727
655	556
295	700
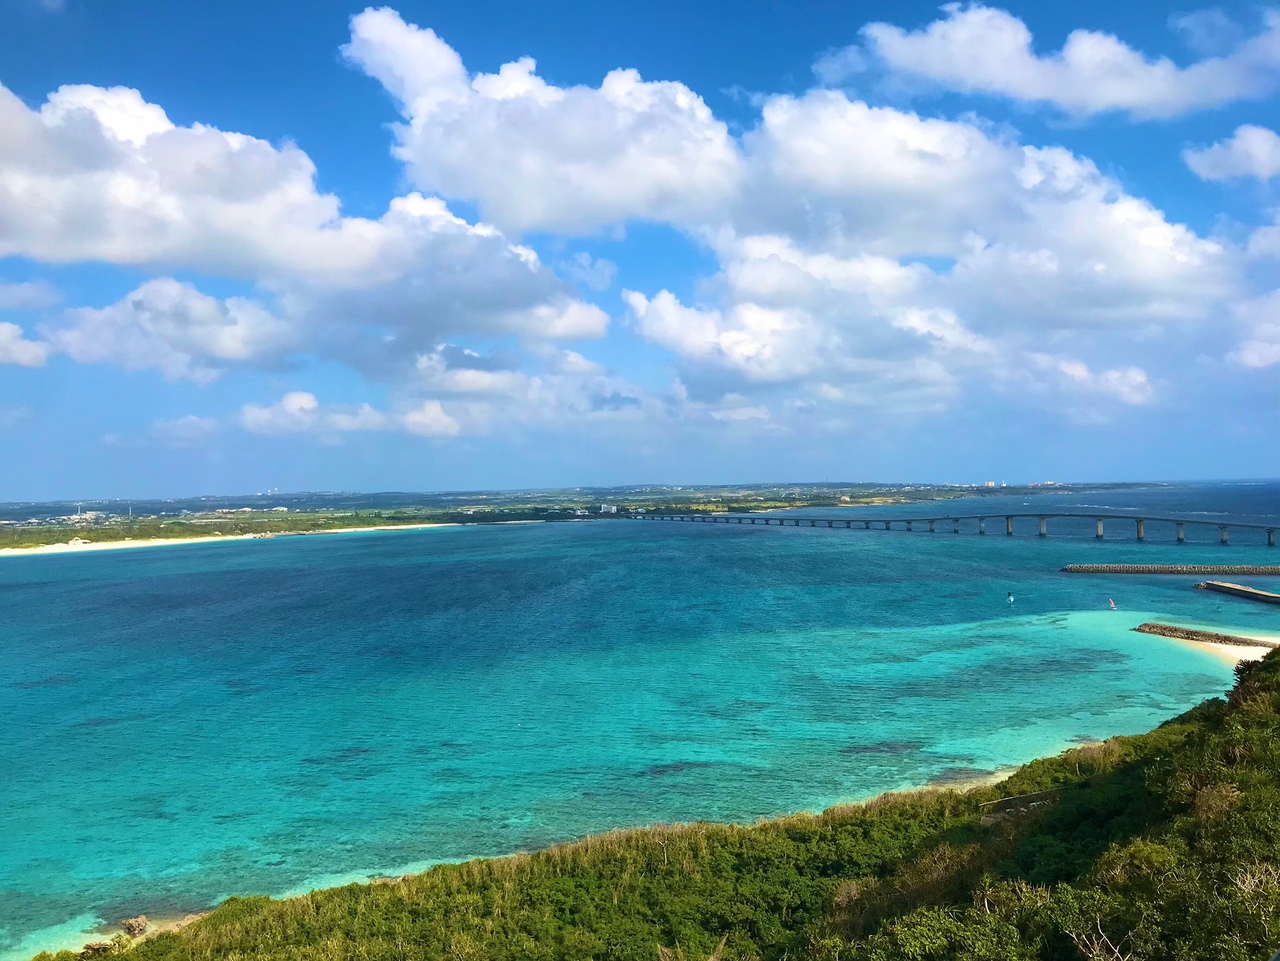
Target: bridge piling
955	525
886	525
1222	534
982	525
866	525
1271	537
1044	527
1142	534
908	525
1182	532
932	528
1008	526
1098	535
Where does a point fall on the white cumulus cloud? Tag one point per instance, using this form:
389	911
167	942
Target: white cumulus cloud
429	419
16	349
880	257
867	257
986	50
1251	151
172	327
100	174
535	156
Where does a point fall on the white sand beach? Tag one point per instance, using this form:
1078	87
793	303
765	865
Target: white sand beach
1235	653
1232	653
72	547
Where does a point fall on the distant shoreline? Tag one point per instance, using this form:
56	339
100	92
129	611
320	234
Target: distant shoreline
70	548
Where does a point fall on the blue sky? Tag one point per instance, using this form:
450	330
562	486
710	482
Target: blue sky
428	246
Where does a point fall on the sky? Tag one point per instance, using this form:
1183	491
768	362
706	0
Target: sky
441	246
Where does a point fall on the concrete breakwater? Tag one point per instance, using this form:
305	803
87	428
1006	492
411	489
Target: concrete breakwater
1206	637
1263	570
1240	590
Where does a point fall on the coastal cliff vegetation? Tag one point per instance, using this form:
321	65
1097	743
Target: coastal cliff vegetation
1161	846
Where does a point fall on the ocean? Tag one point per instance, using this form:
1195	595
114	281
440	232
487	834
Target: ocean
181	724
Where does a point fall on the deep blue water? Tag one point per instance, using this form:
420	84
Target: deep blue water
185	723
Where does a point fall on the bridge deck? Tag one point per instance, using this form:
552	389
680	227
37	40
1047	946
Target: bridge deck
939	518
932	520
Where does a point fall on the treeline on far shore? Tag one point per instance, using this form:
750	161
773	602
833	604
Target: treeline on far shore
1160	847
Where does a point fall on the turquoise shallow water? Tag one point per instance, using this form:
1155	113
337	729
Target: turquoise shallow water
186	723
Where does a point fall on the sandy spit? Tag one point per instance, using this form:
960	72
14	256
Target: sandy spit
1231	653
68	548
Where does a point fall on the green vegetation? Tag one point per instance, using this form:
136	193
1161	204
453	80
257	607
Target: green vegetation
1163	846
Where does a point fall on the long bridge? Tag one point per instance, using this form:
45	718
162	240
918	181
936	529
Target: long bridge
909	523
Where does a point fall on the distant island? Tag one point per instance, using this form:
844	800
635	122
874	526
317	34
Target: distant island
26	525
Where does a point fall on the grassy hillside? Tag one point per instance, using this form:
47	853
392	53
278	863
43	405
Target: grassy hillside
1163	846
